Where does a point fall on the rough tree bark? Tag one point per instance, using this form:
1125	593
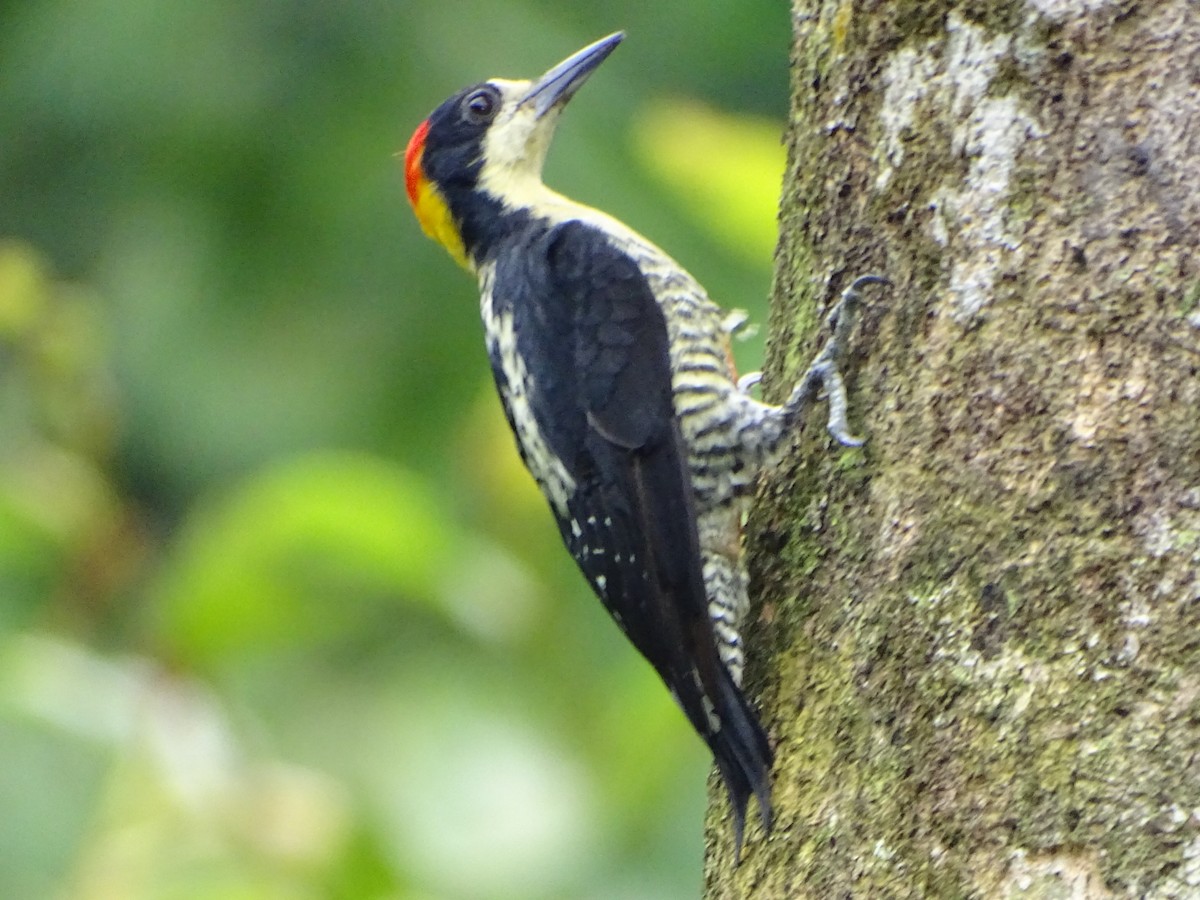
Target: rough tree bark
977	647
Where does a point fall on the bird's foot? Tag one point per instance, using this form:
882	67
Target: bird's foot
824	371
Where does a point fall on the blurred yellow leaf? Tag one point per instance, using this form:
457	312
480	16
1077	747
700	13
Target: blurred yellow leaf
726	169
24	287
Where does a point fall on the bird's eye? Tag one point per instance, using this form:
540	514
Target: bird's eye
480	106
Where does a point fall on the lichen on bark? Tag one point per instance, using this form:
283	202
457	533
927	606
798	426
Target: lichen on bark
978	637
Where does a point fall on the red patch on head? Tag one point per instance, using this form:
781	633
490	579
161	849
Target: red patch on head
413	173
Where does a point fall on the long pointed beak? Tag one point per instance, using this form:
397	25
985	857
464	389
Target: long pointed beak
558	85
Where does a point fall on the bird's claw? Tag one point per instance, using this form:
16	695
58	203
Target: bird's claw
747	382
824	369
841	322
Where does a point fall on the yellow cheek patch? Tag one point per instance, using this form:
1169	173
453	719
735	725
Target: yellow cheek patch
427	201
436	221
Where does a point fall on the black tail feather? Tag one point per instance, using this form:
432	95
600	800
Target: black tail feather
743	756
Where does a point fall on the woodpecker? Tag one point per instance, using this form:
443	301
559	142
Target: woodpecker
614	370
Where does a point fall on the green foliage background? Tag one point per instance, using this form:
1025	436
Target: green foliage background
281	616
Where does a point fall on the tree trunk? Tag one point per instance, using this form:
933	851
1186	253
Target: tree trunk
977	648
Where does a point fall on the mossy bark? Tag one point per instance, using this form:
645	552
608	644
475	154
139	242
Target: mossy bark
977	638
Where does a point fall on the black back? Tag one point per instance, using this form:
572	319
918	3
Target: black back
594	342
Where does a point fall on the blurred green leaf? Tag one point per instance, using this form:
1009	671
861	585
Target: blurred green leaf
293	554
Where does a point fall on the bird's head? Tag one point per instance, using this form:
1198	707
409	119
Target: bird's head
481	152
